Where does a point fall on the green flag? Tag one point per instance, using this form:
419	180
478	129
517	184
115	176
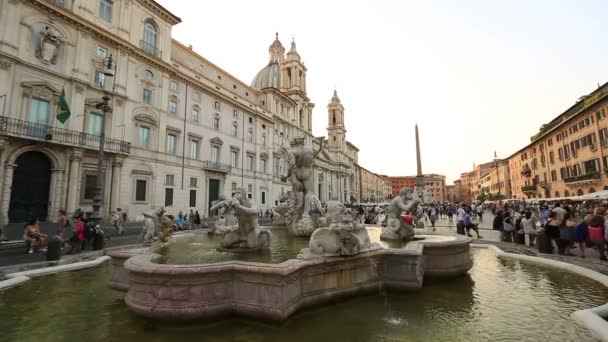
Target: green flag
63	111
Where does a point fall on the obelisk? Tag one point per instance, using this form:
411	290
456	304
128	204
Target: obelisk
419	175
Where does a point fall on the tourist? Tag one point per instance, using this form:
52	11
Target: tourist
450	215
596	230
480	212
567	231
62	220
78	237
36	239
508	227
119	221
408	218
433	215
197	219
561	212
460	220
498	224
552	229
467	222
528	224
544	215
581	236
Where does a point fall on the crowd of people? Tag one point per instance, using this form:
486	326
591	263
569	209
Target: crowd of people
566	228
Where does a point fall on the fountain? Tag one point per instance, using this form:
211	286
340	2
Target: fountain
396	228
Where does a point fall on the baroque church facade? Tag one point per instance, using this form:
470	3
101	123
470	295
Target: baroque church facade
182	130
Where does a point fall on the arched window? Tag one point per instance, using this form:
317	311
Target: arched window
591	190
150	36
580	192
557	194
567	193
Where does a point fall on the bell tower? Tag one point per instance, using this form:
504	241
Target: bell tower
293	72
336	131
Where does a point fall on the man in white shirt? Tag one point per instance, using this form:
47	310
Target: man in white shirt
561	212
460	215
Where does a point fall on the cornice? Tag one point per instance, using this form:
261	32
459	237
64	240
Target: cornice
161	11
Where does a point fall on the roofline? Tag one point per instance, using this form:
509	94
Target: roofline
159	9
197	55
603	88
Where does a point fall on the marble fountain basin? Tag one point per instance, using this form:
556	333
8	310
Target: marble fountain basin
274	291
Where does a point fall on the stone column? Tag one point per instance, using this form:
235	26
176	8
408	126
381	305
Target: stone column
116	184
6	192
72	186
55	194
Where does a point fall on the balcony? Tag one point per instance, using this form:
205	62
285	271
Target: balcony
215	166
526	172
150	48
544	185
528	188
590	177
61	136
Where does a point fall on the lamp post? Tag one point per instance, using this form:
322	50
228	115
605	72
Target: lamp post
105	107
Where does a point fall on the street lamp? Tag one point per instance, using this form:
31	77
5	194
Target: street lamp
105	107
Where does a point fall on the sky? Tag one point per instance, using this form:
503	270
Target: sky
478	77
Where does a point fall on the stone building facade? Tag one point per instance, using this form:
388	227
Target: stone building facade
569	156
434	184
182	130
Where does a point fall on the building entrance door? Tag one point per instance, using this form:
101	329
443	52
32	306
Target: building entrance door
214	193
30	188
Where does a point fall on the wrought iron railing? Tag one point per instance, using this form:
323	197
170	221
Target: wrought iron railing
35	131
528	188
150	48
215	166
587	176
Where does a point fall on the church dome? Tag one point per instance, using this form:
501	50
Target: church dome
270	76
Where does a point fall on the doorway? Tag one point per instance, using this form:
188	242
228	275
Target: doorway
214	193
30	188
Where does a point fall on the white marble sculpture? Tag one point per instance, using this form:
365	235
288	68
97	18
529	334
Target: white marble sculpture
225	213
247	234
302	211
396	228
344	237
152	221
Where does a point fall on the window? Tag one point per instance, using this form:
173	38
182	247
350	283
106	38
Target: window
250	120
150	36
194	149
95	124
250	162
591	166
193	183
235	114
263	197
170	180
233	186
90	184
102	52
105	10
249	188
173	85
193	198
195	115
148	74
196	96
601	114
215	154
553	176
235	130
263	165
216	122
140	190
234	158
144	137
168	197
100	79
217	105
172	107
39	111
147	96
171	140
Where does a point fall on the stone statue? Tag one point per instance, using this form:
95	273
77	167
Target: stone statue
334	210
164	234
225	211
303	210
396	228
344	237
48	46
247	235
152	221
